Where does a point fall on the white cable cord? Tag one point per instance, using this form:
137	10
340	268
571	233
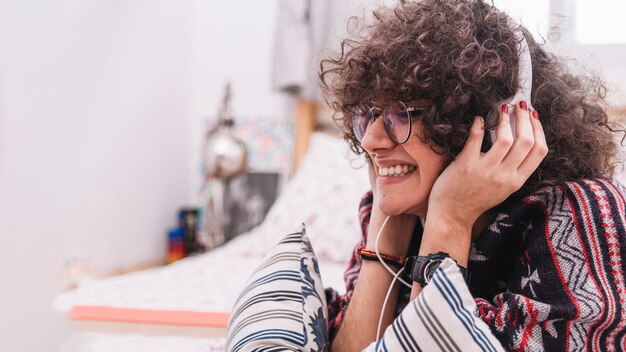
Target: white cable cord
380	232
380	320
396	276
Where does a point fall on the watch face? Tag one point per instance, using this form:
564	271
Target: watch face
430	269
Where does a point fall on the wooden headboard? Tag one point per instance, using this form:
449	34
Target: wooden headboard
310	117
306	115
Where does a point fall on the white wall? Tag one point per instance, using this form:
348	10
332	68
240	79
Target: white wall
101	110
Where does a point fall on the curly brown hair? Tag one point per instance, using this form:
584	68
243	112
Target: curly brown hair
462	57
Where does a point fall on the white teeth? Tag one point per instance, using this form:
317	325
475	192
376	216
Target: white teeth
397	170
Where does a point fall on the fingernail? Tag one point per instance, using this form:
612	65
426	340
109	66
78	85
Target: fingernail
523	105
535	114
505	108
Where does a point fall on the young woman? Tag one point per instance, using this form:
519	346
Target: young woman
520	196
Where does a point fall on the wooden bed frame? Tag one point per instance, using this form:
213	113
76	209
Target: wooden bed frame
310	117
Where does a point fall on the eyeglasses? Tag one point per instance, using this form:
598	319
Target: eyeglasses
397	118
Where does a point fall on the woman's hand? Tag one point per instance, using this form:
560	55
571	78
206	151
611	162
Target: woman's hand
476	182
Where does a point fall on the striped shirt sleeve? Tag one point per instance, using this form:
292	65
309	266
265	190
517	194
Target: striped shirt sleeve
441	318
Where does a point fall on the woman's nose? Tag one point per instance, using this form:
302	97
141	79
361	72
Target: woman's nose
376	137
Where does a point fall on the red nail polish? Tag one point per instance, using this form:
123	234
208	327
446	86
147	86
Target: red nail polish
523	105
505	108
535	114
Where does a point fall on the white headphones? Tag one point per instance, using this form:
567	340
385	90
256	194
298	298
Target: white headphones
525	77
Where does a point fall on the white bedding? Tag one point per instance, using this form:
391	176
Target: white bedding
209	282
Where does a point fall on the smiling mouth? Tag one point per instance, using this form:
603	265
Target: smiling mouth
396	170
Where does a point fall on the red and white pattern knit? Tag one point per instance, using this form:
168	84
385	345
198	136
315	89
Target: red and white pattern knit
547	274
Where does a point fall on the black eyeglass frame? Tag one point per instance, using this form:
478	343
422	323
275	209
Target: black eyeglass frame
388	126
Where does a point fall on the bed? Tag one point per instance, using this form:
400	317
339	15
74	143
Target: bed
185	306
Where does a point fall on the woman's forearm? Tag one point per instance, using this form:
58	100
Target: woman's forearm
443	235
359	325
358	328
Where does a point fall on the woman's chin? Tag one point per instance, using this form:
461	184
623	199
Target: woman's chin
394	208
391	209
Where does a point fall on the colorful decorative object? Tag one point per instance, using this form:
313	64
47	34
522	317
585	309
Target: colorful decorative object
175	244
269	143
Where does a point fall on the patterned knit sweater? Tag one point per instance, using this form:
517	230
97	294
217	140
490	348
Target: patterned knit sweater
547	274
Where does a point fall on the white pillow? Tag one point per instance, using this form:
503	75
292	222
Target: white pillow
324	194
283	306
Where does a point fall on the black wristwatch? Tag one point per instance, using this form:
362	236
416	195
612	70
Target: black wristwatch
422	268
